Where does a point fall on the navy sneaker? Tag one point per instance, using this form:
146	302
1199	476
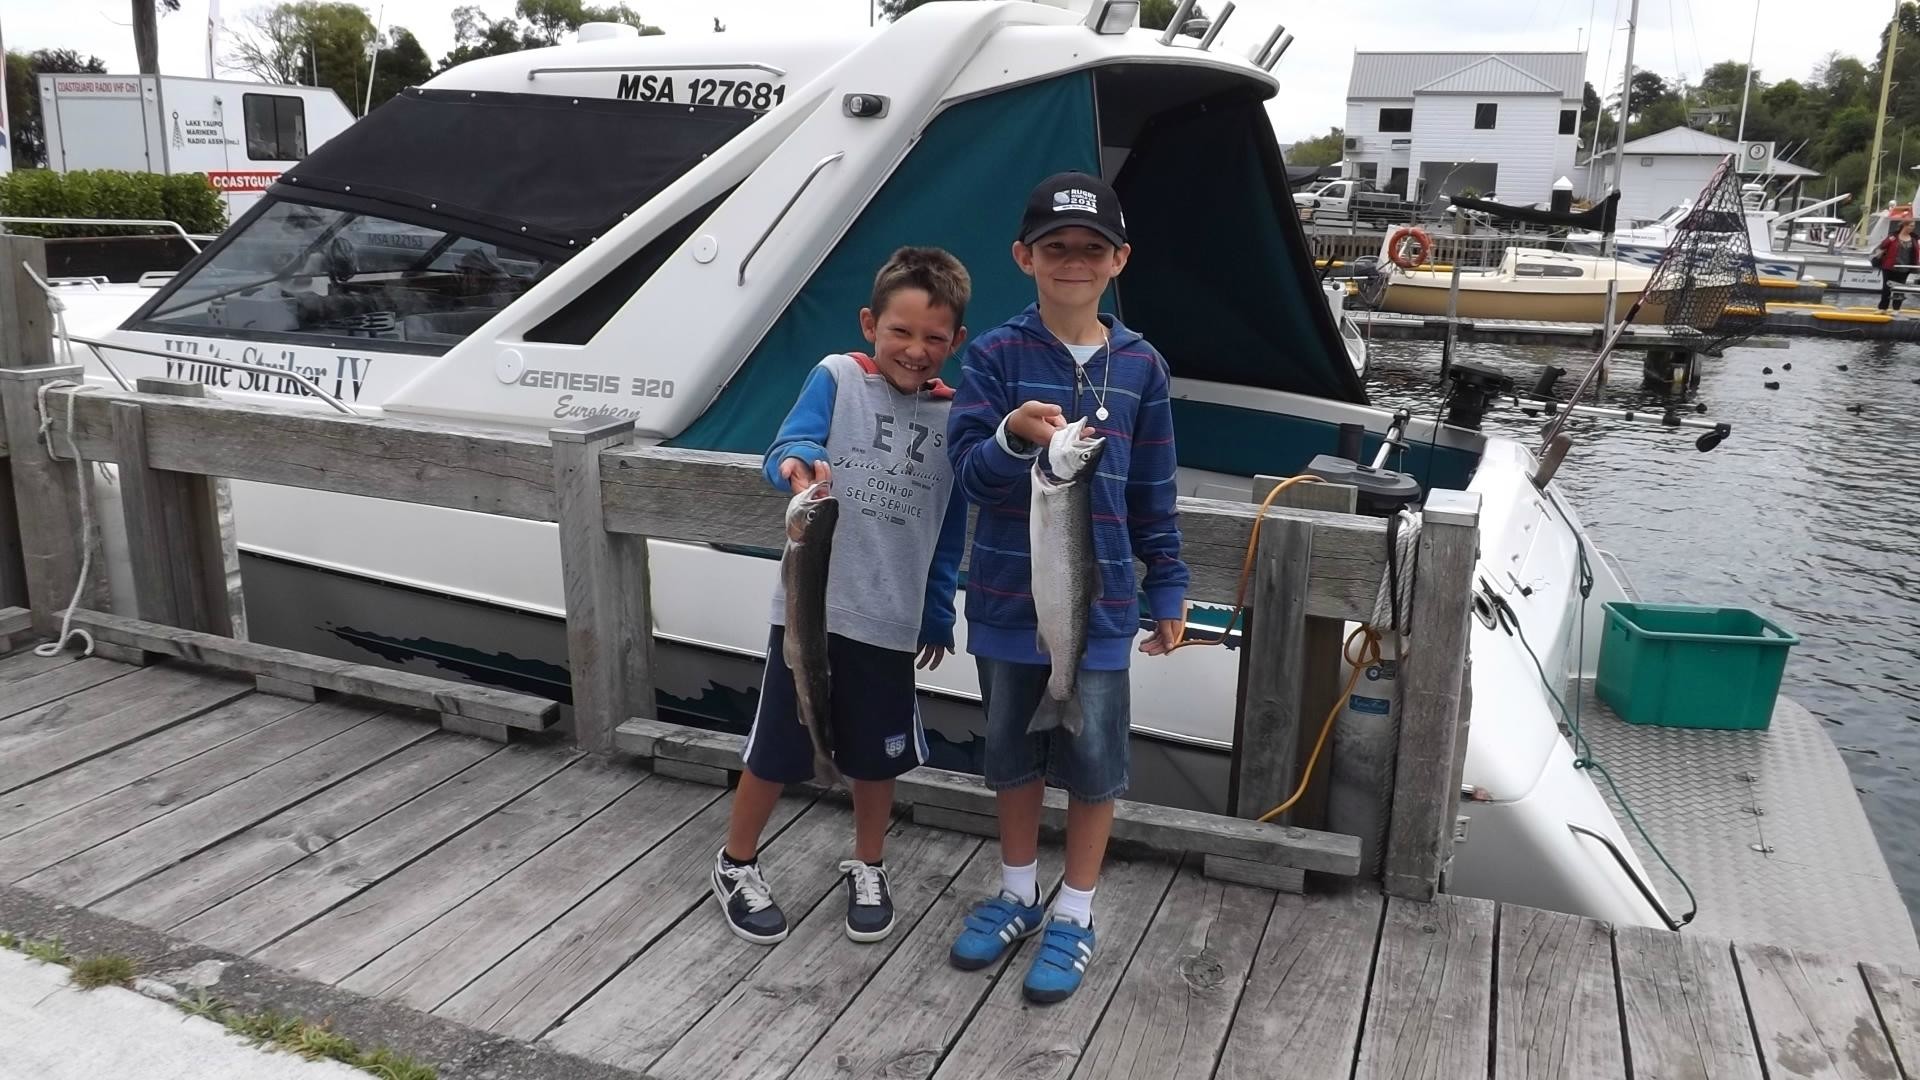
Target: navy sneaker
1060	962
869	901
747	902
991	928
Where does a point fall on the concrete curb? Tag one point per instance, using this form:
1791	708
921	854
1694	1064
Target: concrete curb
168	963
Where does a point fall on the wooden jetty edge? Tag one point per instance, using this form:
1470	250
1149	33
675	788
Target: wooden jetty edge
343	823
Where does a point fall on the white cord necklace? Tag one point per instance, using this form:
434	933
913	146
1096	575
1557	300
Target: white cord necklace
1106	375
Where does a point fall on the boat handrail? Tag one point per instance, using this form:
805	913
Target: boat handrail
782	215
1634	875
157	222
96	345
602	69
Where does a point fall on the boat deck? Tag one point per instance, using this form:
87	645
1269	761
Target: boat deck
544	894
1765	827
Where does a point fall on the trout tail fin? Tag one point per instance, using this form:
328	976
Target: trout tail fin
1055	712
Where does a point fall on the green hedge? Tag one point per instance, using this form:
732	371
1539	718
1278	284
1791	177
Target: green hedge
109	193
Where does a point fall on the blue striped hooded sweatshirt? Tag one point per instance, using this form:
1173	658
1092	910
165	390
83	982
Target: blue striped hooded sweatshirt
1134	491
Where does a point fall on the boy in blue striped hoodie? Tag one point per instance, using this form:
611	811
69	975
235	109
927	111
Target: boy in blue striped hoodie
1062	360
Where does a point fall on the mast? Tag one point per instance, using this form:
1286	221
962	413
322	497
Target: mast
1747	88
1626	99
1880	122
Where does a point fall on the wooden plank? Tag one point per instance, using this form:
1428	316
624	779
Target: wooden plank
643	1011
1266	726
180	892
361	680
606	584
1169	1018
338	943
144	496
26	340
523	995
1009	1036
15	620
692	773
460	725
1320	688
1428	1014
917	1004
64	676
702	497
131	764
274	736
309	888
488	472
201	523
1896	991
431	966
1558	1016
1420	822
775	1015
43	741
50	532
267	684
26	663
1308	989
1813	1015
1685	1014
100	872
1259	875
1160	828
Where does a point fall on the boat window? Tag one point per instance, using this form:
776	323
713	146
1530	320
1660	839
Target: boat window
276	126
296	271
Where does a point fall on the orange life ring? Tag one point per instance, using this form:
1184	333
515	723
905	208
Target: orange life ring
1396	247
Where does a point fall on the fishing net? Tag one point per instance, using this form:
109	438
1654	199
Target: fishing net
1705	289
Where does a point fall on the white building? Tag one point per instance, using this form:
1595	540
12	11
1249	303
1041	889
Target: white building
1665	168
1432	124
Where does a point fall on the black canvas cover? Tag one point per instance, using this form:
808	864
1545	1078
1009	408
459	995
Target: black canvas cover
558	170
1600	217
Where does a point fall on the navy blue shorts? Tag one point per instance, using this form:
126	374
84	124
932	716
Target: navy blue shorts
876	715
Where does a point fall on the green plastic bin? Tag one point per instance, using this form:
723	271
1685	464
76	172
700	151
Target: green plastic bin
1675	665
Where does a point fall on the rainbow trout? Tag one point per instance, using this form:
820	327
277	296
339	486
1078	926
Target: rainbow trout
811	517
1066	575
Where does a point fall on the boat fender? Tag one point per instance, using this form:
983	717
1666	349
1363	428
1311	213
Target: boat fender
1409	236
1365	746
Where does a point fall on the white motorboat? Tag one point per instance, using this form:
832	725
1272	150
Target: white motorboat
674	229
1783	247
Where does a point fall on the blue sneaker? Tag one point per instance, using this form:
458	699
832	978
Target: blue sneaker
1059	963
991	928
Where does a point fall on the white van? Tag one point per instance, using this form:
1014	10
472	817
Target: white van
243	135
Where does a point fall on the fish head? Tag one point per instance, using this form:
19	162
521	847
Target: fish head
1072	453
812	514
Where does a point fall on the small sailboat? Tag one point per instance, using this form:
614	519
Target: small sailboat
1530	283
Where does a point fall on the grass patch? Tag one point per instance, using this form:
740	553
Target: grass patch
9	941
47	952
111	969
311	1041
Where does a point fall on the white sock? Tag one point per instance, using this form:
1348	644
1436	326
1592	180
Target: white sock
1073	904
1023	882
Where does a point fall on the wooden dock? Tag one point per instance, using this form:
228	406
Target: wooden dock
549	894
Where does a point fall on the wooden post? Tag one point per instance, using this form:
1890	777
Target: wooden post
200	515
609	613
1266	727
25	341
1426	796
50	530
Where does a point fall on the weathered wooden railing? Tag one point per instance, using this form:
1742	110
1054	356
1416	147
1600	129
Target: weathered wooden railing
1315	571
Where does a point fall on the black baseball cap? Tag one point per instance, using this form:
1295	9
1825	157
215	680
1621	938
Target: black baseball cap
1073	198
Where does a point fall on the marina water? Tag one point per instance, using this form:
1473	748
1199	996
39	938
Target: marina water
1805	514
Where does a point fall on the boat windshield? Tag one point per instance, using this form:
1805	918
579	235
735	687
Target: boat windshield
299	271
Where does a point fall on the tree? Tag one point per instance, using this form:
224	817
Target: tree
400	63
1319	150
1156	14
29	133
1844	79
1589	103
1726	81
1649	91
316	42
893	9
146	33
534	24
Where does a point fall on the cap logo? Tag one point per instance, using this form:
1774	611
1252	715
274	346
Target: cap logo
1075	199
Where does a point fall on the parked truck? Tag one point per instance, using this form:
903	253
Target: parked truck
242	135
1351	199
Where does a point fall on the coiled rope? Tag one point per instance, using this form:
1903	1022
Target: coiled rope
87	526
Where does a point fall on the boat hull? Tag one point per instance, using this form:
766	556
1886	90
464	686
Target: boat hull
1409	297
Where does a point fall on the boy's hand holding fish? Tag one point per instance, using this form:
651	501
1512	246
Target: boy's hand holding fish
1035	421
800	476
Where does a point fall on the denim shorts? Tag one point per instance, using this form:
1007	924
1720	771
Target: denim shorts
1091	766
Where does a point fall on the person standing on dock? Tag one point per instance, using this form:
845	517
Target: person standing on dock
874	427
1896	251
1020	383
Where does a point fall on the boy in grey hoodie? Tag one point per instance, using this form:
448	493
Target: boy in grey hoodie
875	428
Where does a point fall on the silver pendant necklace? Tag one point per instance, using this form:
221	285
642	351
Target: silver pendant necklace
1106	377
